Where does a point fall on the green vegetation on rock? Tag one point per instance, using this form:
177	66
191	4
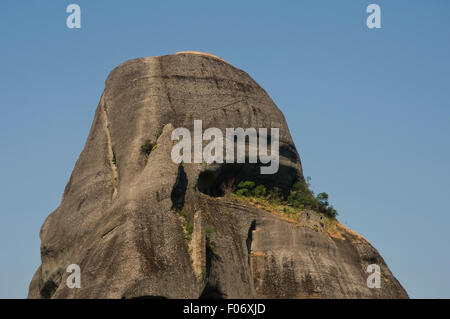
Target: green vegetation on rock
147	147
300	196
209	242
187	224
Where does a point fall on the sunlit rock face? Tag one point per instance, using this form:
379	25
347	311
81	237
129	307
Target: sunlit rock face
124	212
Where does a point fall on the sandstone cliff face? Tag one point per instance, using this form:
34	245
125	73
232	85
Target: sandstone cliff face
117	219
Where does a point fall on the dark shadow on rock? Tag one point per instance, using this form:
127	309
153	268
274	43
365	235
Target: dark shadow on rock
250	239
213	181
49	289
212	292
179	189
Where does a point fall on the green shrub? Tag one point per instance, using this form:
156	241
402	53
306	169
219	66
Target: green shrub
189	230
299	186
245	188
147	147
300	196
246	184
324	205
114	160
305	199
275	195
159	132
243	192
209	242
188	224
330	211
322	199
259	191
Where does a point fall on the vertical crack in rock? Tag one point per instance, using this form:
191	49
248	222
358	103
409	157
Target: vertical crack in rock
250	240
212	288
111	154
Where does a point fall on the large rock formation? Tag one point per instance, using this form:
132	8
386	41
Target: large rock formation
124	215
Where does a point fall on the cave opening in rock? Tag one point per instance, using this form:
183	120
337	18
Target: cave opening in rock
223	178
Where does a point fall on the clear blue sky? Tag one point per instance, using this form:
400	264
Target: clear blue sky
369	110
